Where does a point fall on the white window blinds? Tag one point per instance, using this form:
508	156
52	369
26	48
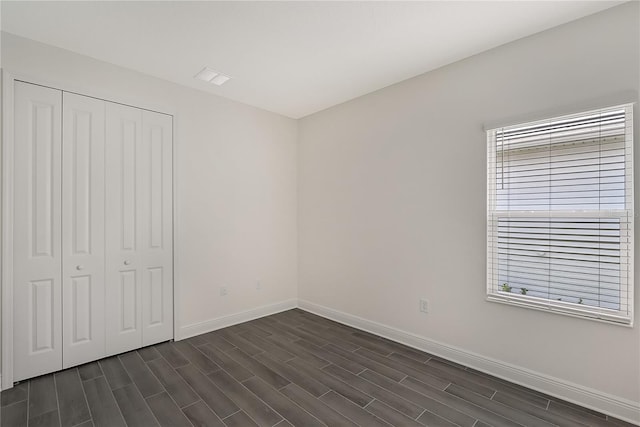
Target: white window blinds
560	214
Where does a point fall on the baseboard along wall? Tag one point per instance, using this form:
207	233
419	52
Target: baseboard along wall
589	398
194	329
593	399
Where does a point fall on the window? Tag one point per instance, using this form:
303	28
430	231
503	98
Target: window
560	214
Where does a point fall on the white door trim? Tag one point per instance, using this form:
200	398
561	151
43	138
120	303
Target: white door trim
6	258
7	230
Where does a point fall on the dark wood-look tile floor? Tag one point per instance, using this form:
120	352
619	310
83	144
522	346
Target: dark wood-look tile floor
289	369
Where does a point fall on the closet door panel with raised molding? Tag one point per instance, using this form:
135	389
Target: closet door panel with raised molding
124	271
156	221
83	292
92	229
37	258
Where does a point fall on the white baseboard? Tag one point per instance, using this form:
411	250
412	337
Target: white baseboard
607	404
233	319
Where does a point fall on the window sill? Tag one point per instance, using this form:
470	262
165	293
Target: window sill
567	309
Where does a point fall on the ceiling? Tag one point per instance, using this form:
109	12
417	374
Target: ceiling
293	58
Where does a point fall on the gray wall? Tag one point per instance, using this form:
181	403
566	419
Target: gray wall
392	199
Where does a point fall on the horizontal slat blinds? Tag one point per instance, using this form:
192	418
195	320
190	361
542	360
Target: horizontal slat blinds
560	214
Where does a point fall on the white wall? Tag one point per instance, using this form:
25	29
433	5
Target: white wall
236	172
392	200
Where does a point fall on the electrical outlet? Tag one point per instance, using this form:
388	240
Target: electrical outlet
223	291
258	285
424	306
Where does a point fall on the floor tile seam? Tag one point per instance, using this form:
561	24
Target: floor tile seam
15	403
241	383
519	399
145	401
322	402
175	370
124	366
191	404
28	401
235	346
393	409
94	378
220	367
230	415
326	392
367	348
340	380
383	388
495	413
82	422
388	356
169	362
581	414
84	393
417	370
190	362
370	402
574	406
164	389
296	404
373	361
421	414
55	389
119	388
509	386
156	394
436	400
301	373
343	414
449	406
475	420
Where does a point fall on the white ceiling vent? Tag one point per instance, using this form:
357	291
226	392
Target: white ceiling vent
211	76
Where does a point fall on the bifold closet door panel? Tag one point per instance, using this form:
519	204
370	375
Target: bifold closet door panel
83	290
37	276
124	272
157	241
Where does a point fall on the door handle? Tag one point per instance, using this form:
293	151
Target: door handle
79	267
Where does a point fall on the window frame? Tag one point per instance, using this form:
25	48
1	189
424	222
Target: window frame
626	217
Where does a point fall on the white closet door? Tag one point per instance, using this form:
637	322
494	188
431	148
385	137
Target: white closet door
156	215
83	183
123	221
37	246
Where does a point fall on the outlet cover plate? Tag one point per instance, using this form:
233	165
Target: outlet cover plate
424	306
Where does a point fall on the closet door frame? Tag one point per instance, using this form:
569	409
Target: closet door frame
7	182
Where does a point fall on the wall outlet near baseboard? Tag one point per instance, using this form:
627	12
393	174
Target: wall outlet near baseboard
424	306
258	285
223	291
